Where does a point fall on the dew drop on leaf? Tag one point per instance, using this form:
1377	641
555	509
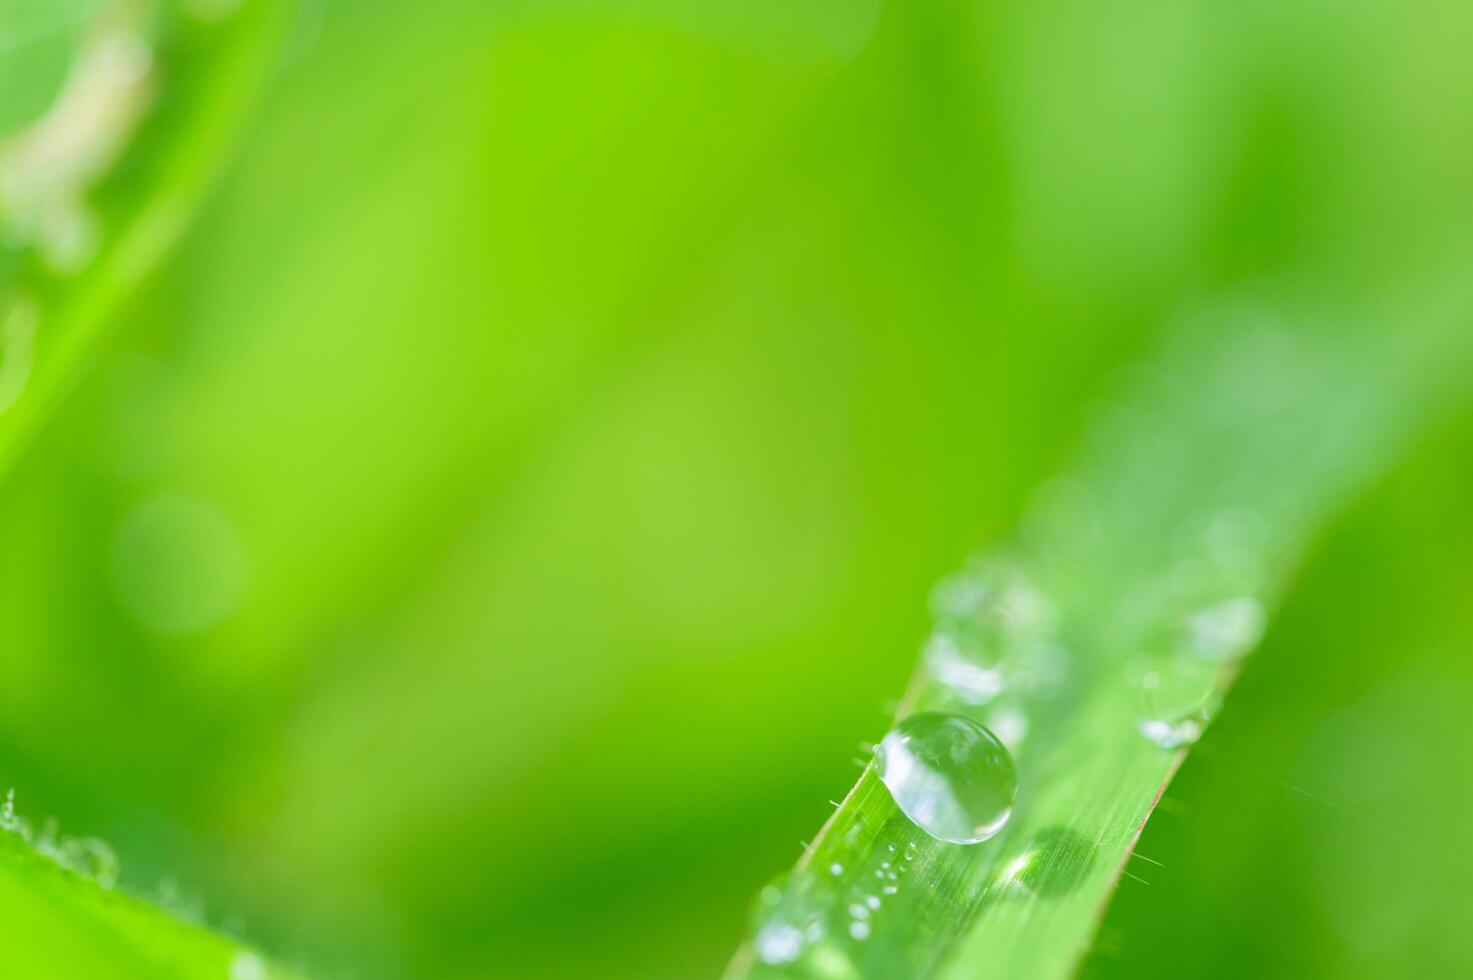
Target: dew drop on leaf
247	966
1177	699
1226	630
951	776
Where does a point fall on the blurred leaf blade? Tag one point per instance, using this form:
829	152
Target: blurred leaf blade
94	192
59	923
116	118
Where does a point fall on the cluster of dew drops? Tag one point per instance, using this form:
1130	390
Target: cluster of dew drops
89	857
815	922
94	860
993	649
949	774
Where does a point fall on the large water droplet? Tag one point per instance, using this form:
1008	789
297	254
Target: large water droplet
952	777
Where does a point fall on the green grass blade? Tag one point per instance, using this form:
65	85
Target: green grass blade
1162	552
62	922
92	193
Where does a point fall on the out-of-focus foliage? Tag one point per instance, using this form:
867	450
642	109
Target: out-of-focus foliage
60	924
489	535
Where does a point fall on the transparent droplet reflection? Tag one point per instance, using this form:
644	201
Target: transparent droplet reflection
951	776
1176	700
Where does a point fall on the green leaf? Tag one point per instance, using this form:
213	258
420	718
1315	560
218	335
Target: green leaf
123	118
1143	573
60	923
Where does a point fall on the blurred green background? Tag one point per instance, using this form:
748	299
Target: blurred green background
494	529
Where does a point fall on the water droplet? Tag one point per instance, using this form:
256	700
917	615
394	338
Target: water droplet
1225	630
1009	723
1171	735
836	869
966	656
859	930
952	777
247	966
1177	699
872	901
779	942
778	921
960	596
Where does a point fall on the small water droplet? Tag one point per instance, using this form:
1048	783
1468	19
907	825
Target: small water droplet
1009	723
859	911
952	777
960	596
890	889
1177	699
967	658
247	966
97	860
779	921
859	930
1171	735
836	869
779	942
1225	630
